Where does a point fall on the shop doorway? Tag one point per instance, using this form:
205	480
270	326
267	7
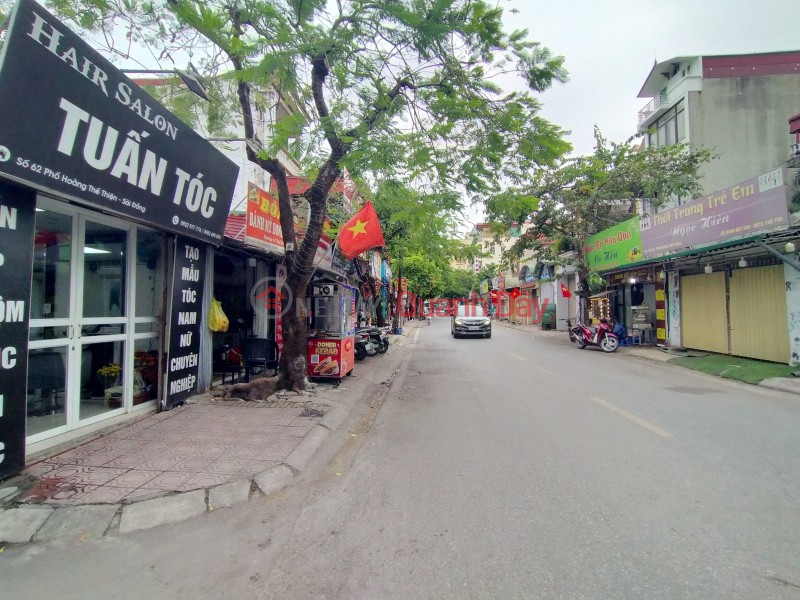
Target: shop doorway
91	355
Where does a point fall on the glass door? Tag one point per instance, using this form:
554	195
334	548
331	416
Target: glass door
102	319
77	362
52	325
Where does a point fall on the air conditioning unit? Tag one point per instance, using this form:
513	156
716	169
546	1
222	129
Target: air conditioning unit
326	289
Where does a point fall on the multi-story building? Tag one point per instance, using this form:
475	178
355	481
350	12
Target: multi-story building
736	105
270	107
716	273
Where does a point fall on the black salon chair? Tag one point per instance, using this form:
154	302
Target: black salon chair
46	377
258	356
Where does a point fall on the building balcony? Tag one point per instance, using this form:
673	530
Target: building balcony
290	165
659	102
794	157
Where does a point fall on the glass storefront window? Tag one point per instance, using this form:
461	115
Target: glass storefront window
101	375
93	278
47	382
145	366
149	327
149	273
104	271
52	251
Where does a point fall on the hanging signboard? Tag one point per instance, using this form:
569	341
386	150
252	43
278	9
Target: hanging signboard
756	205
615	246
74	125
16	256
263	225
263	228
183	360
752	206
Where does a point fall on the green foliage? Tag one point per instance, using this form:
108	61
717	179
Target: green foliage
400	91
584	195
424	276
457	283
407	91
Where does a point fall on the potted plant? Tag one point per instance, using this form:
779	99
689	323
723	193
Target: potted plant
110	374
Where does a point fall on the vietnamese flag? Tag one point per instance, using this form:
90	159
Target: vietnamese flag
565	292
361	232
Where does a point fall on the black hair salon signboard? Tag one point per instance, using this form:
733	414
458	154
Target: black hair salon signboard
183	361
16	250
73	124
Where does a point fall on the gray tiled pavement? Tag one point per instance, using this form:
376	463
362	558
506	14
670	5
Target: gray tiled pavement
191	447
177	464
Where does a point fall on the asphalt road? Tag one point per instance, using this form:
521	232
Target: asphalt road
521	468
505	468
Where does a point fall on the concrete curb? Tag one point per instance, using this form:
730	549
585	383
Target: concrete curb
19	525
300	456
782	384
274	479
335	417
160	511
41	524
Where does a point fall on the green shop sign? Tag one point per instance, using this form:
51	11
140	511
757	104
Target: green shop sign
614	247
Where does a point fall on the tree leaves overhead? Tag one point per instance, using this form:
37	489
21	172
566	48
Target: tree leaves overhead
411	88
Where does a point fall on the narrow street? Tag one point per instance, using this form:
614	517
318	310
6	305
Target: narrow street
514	468
504	468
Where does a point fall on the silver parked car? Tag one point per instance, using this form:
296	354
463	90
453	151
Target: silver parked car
470	320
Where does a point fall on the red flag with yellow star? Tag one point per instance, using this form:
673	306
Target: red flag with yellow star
361	232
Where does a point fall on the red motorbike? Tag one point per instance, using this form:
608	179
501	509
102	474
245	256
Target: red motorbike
601	336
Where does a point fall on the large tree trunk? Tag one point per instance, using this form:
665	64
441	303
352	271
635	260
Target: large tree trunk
293	360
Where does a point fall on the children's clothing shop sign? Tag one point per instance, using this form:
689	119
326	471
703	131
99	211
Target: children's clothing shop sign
72	124
756	205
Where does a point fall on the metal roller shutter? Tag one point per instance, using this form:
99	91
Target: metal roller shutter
758	314
704	317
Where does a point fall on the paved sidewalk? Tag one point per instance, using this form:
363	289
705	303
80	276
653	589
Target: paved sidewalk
177	464
652	353
196	446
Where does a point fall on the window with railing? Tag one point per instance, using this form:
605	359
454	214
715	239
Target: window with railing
669	129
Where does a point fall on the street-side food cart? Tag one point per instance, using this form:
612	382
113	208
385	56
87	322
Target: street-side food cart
331	340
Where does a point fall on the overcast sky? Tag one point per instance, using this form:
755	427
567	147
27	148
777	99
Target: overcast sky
610	45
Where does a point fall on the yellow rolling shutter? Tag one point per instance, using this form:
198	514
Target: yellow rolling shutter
758	314
704	318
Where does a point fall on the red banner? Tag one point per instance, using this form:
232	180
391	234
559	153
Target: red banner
263	219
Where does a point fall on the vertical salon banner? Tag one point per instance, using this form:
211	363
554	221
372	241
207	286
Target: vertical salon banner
16	256
184	330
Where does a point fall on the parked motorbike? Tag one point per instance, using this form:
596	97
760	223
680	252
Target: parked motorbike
380	336
601	336
364	345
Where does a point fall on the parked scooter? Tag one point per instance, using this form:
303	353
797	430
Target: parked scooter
601	336
364	345
380	336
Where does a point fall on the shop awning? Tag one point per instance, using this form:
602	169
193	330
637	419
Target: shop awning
235	226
